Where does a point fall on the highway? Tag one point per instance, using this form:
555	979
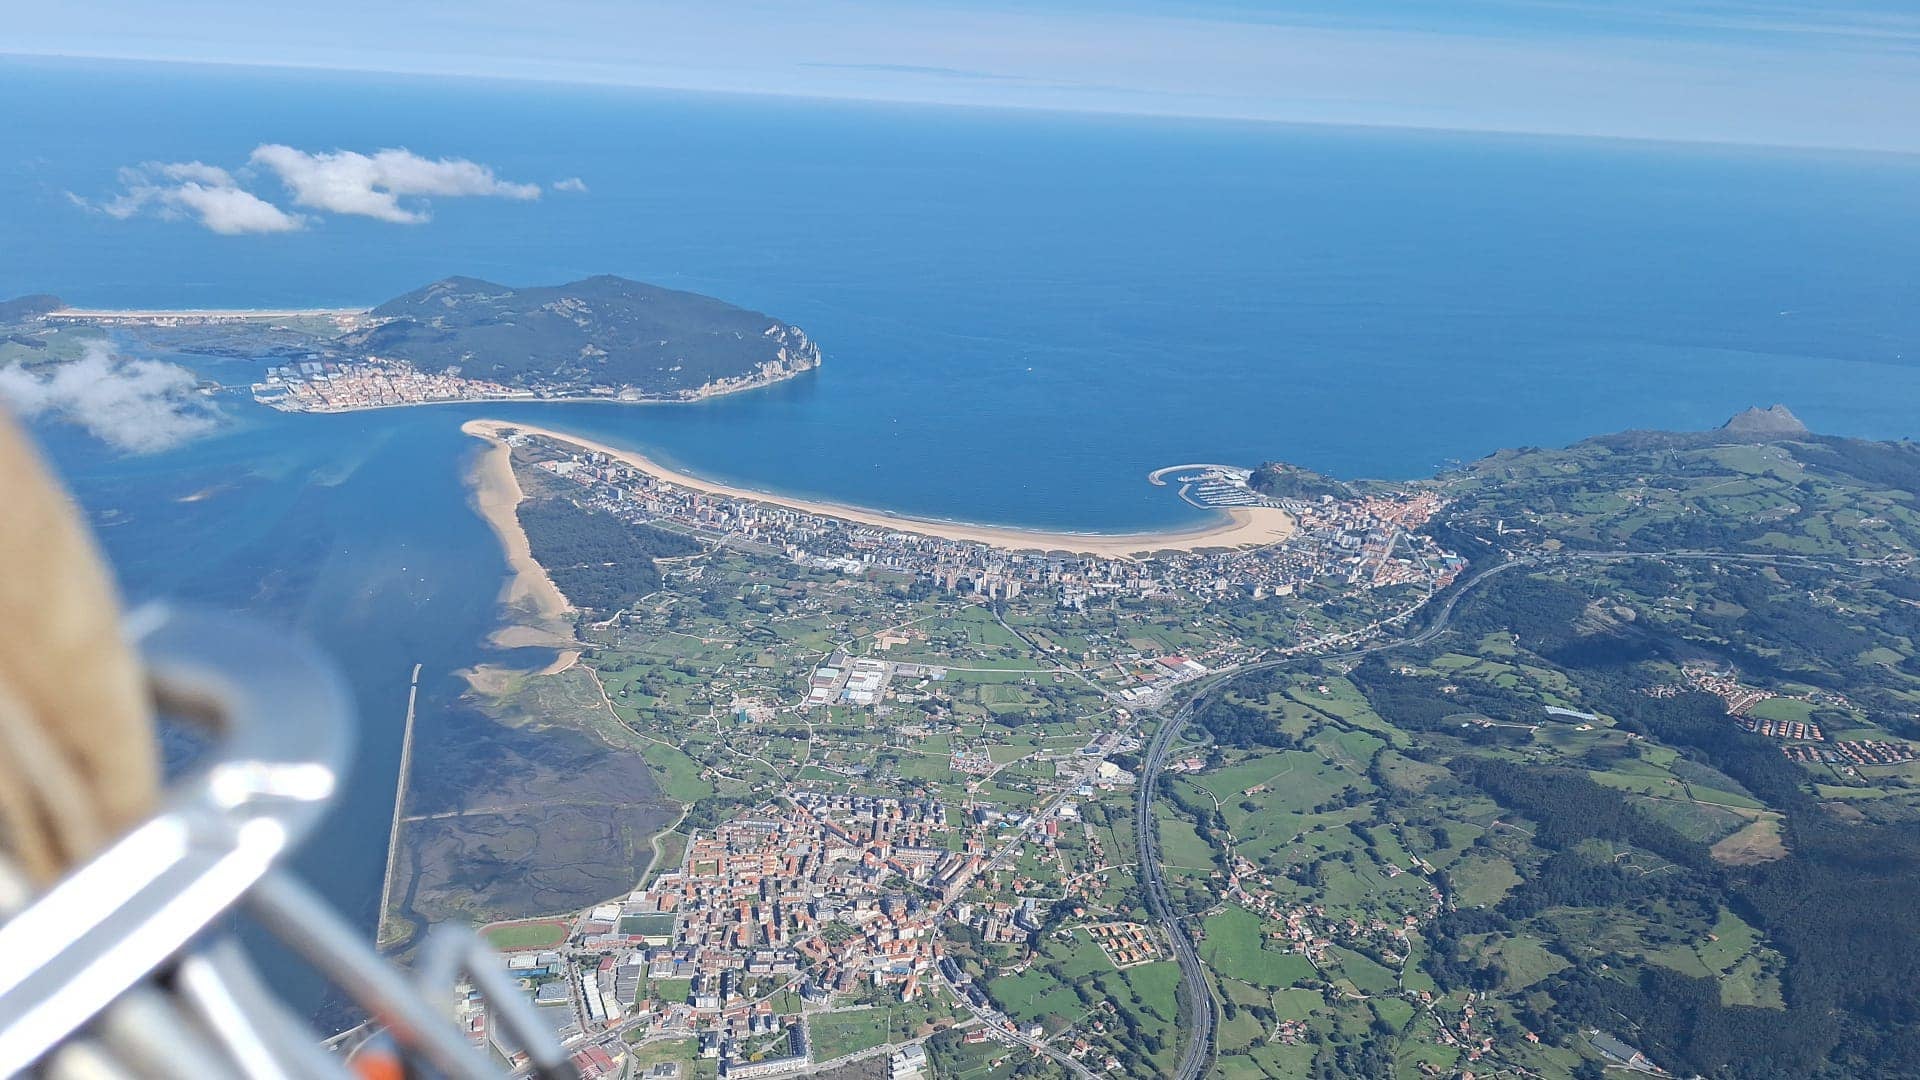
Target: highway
1200	1011
1200	1006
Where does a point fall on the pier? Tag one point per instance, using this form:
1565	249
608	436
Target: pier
399	804
1158	476
1211	487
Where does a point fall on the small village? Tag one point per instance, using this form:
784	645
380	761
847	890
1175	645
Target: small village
1741	701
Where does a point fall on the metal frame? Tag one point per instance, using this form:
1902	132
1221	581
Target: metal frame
113	971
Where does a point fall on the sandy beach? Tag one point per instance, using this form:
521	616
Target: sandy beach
1239	527
496	495
136	315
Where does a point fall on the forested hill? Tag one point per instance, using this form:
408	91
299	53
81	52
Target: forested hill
22	308
1761	487
1279	480
601	332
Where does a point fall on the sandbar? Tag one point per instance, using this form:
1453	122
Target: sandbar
496	496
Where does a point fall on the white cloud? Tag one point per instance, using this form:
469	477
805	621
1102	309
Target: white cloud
230	210
339	182
135	405
198	172
571	183
346	182
206	193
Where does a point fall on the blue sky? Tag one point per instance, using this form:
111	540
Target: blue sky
1845	74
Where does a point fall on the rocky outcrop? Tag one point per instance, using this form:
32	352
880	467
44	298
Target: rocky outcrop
1774	422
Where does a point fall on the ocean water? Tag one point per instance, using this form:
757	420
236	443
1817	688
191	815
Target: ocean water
1021	313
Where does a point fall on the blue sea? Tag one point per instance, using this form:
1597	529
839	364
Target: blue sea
1022	313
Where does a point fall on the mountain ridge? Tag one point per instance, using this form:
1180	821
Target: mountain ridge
599	332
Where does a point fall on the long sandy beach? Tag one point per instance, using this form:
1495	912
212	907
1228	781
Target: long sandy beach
1240	527
138	315
496	495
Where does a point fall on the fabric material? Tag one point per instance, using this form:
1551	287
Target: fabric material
78	757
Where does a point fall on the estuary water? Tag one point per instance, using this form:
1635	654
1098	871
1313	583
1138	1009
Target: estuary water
1021	314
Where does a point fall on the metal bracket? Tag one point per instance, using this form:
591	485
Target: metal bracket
107	973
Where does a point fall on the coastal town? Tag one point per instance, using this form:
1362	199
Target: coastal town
330	386
351	385
863	890
1370	542
740	947
1506	685
811	911
912	759
458	340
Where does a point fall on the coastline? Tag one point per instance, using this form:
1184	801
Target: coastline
1243	527
544	613
602	782
702	395
78	314
705	392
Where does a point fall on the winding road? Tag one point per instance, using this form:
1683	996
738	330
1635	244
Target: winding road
1198	1007
1198	1004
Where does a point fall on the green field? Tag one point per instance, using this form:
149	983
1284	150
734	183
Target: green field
679	775
647	925
1236	947
1481	880
530	935
840	1033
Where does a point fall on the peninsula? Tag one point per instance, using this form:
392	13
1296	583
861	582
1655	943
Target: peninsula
1244	526
460	339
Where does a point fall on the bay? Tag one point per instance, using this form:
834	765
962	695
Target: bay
1021	313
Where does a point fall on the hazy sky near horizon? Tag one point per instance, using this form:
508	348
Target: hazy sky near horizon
1844	74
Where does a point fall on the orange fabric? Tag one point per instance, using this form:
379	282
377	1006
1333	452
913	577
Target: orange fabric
378	1064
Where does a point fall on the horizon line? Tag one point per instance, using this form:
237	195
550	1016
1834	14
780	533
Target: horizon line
936	103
